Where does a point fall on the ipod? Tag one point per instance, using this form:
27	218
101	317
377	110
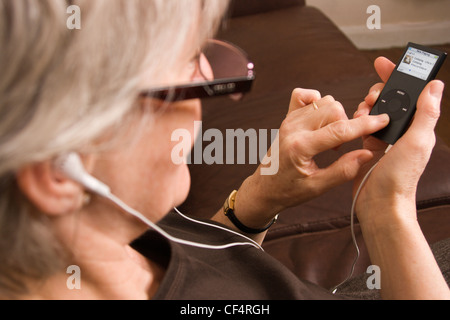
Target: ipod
418	66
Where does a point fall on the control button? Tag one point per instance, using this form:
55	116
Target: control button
396	103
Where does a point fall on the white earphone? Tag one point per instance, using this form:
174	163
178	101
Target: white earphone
71	166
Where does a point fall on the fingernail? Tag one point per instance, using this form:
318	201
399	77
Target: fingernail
436	89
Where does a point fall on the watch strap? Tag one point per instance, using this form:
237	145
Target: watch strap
228	209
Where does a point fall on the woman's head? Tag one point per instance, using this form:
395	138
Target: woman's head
76	90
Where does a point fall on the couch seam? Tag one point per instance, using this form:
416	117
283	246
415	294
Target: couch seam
304	228
434	202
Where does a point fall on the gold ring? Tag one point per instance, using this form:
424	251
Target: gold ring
315	105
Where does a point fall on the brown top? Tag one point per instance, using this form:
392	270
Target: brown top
237	273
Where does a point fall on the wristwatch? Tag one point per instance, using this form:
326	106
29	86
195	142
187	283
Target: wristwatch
228	209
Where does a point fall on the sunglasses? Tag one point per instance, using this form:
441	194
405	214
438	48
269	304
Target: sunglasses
229	71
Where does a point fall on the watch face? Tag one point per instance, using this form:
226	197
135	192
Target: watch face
231	200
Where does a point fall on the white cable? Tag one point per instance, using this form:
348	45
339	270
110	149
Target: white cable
352	215
155	227
219	227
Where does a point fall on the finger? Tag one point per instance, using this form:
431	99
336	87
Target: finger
376	87
366	106
343	170
303	97
325	111
384	68
421	131
363	110
374	93
340	132
328	111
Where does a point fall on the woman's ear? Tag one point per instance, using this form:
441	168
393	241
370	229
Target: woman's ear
49	190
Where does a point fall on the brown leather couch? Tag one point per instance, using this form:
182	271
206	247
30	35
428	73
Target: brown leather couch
293	45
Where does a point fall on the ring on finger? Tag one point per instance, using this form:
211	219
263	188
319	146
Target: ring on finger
315	105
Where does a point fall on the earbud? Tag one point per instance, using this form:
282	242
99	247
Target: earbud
70	165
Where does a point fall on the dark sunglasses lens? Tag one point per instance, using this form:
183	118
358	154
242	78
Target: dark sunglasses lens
226	61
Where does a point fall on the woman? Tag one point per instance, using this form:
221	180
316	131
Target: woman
80	91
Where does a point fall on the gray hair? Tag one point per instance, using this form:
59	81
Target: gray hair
61	90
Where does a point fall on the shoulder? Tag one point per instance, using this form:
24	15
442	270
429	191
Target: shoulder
241	272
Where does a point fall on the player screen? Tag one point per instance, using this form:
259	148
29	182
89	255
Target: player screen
418	63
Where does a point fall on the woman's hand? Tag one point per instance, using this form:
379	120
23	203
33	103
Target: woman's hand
395	179
306	132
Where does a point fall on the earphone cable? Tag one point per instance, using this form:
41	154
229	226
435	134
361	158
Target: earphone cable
218	227
156	228
352	218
